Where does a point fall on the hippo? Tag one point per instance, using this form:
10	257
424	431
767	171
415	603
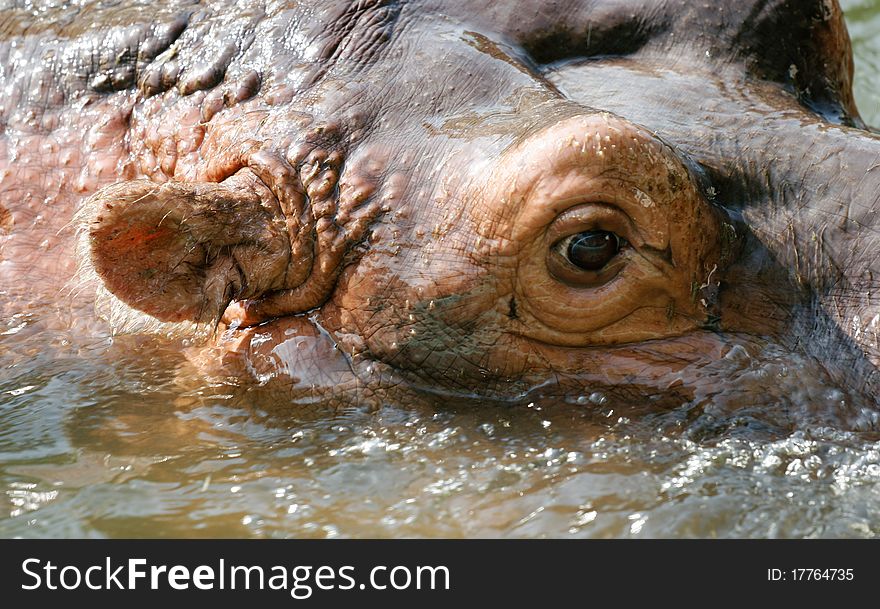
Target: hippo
356	202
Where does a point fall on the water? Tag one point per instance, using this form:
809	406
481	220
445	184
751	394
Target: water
864	29
105	437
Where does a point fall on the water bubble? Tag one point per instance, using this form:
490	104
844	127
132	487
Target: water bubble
598	398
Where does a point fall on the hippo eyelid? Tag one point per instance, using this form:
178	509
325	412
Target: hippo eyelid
664	254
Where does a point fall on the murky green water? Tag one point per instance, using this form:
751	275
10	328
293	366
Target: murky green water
102	437
863	18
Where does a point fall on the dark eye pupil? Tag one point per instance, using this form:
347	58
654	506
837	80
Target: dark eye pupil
593	249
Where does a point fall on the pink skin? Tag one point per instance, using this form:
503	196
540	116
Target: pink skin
425	307
42	182
432	296
437	307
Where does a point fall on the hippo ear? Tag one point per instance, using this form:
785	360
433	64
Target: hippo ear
802	44
183	251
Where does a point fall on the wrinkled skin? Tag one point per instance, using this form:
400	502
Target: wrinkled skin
373	201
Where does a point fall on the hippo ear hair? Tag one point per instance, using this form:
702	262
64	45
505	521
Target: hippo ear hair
181	252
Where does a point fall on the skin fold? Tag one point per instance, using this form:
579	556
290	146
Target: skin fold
370	201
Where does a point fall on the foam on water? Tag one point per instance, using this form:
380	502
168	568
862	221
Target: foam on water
98	439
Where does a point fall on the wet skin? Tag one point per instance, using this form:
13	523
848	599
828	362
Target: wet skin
492	200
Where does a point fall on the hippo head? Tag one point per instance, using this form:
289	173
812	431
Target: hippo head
620	201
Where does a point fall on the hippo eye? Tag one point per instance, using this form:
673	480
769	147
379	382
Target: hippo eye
592	250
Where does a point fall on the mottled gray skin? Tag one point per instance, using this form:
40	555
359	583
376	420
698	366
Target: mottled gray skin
337	182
